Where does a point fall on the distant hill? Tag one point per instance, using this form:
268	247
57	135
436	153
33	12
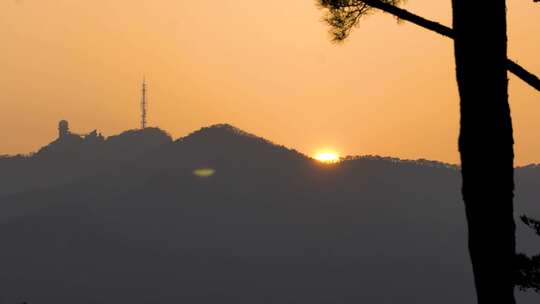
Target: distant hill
73	156
140	223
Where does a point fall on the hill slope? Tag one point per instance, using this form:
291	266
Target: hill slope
269	226
73	157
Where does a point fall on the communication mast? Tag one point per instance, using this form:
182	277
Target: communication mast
144	104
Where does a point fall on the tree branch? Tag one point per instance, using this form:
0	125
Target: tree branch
433	26
523	74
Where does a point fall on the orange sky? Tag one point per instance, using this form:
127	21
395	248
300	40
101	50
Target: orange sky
267	67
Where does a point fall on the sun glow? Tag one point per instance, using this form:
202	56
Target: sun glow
328	157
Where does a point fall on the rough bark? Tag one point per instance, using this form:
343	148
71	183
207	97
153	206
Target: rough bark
486	145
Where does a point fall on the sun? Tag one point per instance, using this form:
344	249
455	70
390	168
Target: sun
327	157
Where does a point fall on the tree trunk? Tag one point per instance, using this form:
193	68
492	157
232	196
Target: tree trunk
486	145
512	66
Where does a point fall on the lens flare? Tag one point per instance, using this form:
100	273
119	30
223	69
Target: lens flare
204	172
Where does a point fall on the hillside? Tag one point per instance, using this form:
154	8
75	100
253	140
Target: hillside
73	156
269	225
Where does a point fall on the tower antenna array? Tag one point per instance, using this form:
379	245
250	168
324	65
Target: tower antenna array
144	104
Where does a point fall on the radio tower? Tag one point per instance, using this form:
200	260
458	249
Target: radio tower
144	104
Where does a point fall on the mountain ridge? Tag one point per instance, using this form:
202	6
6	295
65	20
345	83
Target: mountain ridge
269	225
82	155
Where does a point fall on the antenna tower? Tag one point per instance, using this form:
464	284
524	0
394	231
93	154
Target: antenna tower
144	104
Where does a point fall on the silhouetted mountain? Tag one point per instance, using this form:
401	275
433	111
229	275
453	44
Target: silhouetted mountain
71	157
222	216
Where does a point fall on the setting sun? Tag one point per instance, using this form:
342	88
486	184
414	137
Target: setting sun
328	157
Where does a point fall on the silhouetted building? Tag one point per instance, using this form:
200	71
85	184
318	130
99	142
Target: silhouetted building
63	128
94	137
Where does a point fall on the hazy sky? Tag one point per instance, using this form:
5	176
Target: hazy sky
267	67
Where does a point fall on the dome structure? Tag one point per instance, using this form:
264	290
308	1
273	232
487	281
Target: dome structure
63	128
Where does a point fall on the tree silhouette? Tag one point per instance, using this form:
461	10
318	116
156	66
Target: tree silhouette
486	145
486	139
343	15
528	268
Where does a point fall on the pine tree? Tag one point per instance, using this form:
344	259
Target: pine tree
486	136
